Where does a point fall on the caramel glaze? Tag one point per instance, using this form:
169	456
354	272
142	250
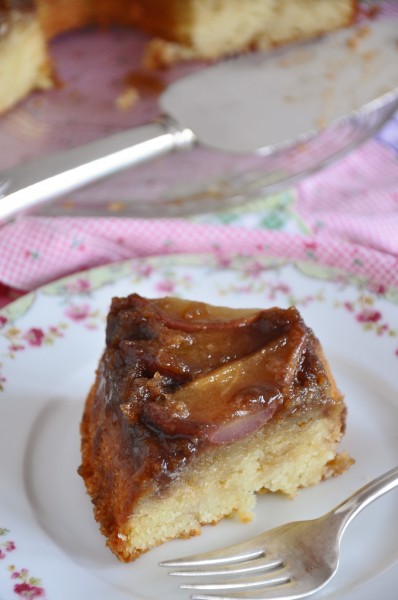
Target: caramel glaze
12	10
136	437
156	17
21	6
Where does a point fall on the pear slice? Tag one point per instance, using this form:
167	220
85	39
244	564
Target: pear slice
235	399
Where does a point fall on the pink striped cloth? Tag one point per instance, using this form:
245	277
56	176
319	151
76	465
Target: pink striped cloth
350	211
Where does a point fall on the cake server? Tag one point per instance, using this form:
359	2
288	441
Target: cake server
267	105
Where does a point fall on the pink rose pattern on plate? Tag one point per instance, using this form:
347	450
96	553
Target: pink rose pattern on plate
6	545
253	275
25	585
18	339
75	292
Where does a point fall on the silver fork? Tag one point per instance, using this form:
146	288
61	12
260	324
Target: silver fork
286	563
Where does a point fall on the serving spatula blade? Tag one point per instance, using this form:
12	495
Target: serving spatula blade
263	104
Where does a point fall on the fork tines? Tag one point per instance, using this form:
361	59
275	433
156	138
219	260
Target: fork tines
263	571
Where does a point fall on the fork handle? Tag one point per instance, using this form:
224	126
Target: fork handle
349	508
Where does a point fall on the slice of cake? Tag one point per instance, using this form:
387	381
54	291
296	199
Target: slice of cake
194	409
24	61
210	29
181	30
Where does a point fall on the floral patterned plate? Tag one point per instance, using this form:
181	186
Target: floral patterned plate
50	341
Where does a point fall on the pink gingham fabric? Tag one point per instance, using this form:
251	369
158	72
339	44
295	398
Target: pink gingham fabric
348	213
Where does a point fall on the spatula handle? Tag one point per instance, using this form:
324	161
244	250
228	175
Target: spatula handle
43	179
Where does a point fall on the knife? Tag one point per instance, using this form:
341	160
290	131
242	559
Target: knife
261	104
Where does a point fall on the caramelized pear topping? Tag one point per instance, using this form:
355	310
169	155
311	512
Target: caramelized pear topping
203	373
234	400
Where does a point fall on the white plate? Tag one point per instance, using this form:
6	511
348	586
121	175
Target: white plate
50	342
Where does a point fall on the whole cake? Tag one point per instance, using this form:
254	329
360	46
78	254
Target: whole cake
181	29
194	409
